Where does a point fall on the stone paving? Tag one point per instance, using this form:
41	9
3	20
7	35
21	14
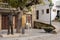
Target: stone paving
57	26
33	34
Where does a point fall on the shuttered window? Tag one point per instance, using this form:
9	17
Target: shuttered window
37	14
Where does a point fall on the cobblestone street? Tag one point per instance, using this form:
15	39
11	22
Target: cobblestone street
33	34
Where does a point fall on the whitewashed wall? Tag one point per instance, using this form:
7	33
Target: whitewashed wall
45	16
53	14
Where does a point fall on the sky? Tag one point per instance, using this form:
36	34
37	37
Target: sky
54	1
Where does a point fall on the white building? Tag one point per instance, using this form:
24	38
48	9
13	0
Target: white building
41	12
56	9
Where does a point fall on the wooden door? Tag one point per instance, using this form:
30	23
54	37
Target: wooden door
4	21
16	21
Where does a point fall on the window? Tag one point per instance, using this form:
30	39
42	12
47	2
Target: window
37	14
42	11
47	11
54	10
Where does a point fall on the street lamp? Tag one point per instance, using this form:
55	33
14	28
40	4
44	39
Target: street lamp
50	11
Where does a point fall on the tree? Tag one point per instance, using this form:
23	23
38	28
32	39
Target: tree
0	0
50	1
21	4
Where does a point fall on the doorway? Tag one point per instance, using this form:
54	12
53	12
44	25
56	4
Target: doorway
29	20
4	21
58	14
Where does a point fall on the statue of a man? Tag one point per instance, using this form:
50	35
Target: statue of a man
10	23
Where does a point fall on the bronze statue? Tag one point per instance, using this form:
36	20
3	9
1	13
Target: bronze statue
10	24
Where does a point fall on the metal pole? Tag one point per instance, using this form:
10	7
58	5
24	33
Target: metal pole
50	11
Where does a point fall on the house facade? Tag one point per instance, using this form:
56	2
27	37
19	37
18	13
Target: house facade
56	9
41	12
27	19
4	12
